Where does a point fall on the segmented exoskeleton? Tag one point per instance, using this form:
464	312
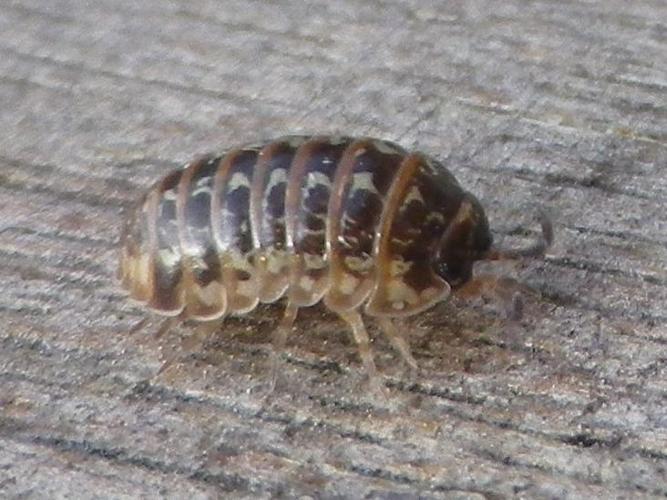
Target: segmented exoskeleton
358	223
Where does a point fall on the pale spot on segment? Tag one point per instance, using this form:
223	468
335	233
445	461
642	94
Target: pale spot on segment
399	267
315	179
399	294
203	188
414	195
169	257
276	261
343	241
307	283
429	293
314	261
400	244
238	180
387	148
358	264
169	195
435	218
363	181
210	294
278	176
348	284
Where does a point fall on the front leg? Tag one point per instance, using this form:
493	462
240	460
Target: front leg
508	291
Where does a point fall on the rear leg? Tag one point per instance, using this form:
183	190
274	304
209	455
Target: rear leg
166	352
165	327
139	326
158	336
356	324
398	342
192	343
279	341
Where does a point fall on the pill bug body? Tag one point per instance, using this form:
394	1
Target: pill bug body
358	223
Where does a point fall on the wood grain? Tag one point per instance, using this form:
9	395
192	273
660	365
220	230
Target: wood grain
551	103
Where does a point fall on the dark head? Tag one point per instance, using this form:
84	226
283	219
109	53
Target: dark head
466	240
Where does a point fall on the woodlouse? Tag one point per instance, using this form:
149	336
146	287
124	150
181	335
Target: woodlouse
350	221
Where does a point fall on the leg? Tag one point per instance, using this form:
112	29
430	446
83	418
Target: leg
353	319
202	333
397	341
165	326
280	339
143	322
507	290
189	344
168	357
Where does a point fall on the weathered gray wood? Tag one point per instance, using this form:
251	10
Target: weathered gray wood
551	102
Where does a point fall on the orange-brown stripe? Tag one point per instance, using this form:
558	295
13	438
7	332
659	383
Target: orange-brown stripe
397	192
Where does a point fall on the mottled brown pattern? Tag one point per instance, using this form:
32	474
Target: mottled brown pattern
423	225
416	216
232	228
355	212
268	200
548	102
201	263
167	290
313	181
350	220
267	206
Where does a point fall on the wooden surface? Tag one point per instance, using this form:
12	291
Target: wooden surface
552	103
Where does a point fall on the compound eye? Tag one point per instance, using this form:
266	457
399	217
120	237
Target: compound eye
456	274
441	269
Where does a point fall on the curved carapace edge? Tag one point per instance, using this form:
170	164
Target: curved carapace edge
355	222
